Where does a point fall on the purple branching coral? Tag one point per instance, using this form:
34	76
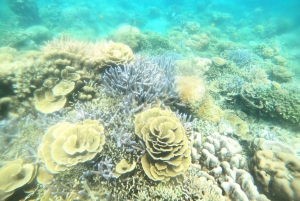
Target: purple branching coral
103	169
241	58
143	81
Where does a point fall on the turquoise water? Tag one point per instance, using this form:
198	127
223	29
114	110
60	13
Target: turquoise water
149	100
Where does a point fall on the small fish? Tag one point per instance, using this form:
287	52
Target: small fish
134	23
173	14
101	16
213	24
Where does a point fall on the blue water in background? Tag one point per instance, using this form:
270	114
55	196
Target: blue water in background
85	14
97	19
244	24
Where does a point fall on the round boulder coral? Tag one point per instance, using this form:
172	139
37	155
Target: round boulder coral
167	153
278	173
65	144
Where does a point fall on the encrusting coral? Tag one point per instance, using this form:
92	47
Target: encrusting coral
128	35
191	90
167	153
65	144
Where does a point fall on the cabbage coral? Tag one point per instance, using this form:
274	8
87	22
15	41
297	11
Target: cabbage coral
167	153
64	144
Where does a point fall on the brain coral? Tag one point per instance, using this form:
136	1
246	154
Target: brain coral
66	144
167	153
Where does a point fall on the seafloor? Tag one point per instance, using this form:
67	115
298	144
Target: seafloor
155	102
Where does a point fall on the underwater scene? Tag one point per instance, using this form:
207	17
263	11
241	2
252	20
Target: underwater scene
157	100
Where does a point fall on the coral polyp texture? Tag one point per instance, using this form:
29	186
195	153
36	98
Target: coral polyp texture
278	173
222	157
167	152
65	144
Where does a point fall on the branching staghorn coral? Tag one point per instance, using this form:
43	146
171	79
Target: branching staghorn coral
142	81
242	58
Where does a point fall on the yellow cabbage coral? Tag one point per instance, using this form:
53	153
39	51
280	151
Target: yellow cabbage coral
116	54
124	167
167	153
65	144
13	175
47	102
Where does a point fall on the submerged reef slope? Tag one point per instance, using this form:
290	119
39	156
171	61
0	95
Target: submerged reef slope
141	101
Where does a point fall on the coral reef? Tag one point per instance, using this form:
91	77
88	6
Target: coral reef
145	78
279	103
14	175
265	51
38	34
64	145
65	72
278	173
241	58
209	110
239	126
218	61
223	159
167	153
198	185
198	42
195	66
26	10
280	74
128	35
142	81
263	144
93	55
191	91
160	192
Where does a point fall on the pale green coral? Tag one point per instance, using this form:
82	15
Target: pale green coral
160	192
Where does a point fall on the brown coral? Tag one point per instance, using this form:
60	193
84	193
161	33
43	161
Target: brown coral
198	42
209	110
167	153
65	144
218	61
191	90
128	35
278	173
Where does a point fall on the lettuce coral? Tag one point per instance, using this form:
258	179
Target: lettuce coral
64	144
167	153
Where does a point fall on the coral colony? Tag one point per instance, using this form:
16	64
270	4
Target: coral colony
148	102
